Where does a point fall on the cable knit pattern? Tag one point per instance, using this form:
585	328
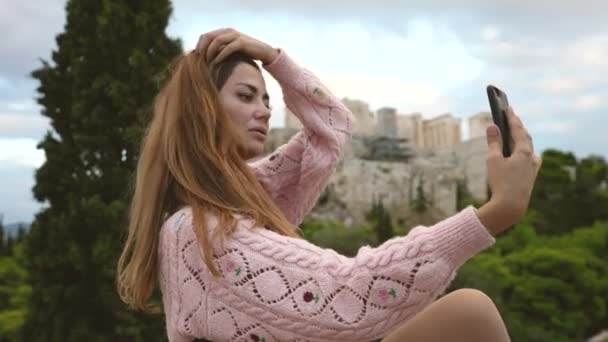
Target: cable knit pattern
297	172
278	288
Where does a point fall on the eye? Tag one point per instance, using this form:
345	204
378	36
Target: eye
246	97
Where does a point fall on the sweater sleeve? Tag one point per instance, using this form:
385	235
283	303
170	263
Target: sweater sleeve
277	288
298	171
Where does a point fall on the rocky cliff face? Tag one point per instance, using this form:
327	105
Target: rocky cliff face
416	187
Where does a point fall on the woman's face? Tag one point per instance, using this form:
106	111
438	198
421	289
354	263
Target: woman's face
246	101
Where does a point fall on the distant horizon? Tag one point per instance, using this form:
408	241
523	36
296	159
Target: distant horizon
6	223
13	229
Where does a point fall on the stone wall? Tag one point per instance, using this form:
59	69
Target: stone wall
470	157
357	183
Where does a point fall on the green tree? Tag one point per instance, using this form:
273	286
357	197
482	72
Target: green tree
14	292
21	234
381	222
9	245
464	198
344	240
97	94
548	288
420	203
570	193
591	191
550	194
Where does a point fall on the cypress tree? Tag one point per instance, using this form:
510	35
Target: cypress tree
381	221
97	93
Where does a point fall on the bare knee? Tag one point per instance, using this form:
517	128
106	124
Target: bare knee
472	305
463	315
473	295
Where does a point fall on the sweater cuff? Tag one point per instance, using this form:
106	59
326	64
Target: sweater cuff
462	236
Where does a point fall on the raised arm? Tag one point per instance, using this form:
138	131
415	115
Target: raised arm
295	174
298	171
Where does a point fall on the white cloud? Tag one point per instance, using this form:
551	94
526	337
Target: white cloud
586	103
515	54
28	31
428	53
591	51
489	33
277	118
555	20
16	125
21	152
560	85
21	106
17	202
410	73
561	127
380	92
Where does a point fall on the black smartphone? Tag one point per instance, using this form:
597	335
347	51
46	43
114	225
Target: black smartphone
499	103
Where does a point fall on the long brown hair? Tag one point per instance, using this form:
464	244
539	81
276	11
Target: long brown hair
190	156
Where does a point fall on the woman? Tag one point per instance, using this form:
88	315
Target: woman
220	233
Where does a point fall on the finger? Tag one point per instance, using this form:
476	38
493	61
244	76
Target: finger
217	43
538	161
511	143
201	44
518	132
494	139
205	39
227	51
530	140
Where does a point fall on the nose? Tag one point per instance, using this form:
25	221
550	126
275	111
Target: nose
262	113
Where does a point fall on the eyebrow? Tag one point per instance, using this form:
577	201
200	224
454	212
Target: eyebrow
253	89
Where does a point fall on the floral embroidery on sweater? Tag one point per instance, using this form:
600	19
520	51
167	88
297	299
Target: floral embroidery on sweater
384	293
309	296
256	338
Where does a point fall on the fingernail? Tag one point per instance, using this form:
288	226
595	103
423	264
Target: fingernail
492	131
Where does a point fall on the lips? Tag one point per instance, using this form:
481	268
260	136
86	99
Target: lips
259	130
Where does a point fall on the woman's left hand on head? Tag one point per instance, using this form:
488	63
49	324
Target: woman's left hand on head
219	44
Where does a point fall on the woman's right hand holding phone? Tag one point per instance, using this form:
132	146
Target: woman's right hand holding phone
511	179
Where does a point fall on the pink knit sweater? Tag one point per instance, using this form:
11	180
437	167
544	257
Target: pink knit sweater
277	288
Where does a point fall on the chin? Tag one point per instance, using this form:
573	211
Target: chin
255	149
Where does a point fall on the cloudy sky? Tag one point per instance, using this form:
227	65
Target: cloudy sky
431	56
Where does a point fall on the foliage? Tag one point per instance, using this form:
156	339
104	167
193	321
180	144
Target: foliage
548	275
548	288
344	240
14	293
97	93
570	193
381	221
